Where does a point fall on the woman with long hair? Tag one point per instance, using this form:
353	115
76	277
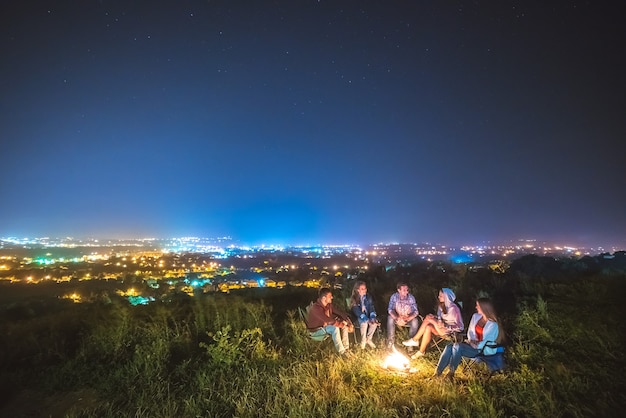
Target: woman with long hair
447	322
484	328
362	307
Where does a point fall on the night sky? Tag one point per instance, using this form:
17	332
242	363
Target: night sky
302	122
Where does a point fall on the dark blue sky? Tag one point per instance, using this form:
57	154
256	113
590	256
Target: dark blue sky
314	121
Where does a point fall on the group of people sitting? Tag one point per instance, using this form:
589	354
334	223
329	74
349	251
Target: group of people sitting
483	332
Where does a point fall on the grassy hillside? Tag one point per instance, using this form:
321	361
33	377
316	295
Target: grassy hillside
248	355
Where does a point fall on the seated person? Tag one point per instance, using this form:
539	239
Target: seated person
483	328
362	307
324	318
447	321
402	312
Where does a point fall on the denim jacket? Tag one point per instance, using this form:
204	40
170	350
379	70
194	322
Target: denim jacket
368	313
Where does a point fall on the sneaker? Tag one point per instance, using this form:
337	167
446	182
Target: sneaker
363	345
417	354
347	354
371	344
410	343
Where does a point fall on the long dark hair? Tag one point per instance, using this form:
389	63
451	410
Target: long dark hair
487	307
355	299
448	294
442	305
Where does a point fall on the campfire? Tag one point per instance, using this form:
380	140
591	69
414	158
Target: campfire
397	361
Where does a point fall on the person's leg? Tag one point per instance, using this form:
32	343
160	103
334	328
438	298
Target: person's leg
371	329
420	331
345	340
363	329
426	337
318	335
444	359
461	350
391	330
413	326
334	333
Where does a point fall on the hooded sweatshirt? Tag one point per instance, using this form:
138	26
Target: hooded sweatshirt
452	319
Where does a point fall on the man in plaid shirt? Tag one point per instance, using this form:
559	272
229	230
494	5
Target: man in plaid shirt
403	312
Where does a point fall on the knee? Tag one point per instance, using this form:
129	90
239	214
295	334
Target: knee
332	330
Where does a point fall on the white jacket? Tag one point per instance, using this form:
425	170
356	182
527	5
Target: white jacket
452	319
490	334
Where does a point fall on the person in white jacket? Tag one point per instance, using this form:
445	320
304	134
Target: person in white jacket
447	321
483	328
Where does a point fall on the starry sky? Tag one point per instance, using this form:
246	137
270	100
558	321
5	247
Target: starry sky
305	121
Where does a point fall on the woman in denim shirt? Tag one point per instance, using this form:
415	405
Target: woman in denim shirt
362	307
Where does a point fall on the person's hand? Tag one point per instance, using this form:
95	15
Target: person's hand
441	327
431	320
400	322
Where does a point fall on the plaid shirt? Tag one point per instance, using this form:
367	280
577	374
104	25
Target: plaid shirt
405	307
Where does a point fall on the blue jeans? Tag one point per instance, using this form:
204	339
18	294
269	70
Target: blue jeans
413	325
452	355
339	336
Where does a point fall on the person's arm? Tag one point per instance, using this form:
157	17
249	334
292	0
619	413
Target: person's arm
457	324
370	307
414	310
391	309
338	313
317	318
471	330
358	312
439	313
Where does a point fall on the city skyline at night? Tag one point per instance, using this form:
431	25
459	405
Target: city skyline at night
227	246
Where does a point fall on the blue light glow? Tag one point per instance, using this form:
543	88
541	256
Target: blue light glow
139	300
461	258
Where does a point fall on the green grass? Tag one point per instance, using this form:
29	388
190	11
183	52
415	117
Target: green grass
225	355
